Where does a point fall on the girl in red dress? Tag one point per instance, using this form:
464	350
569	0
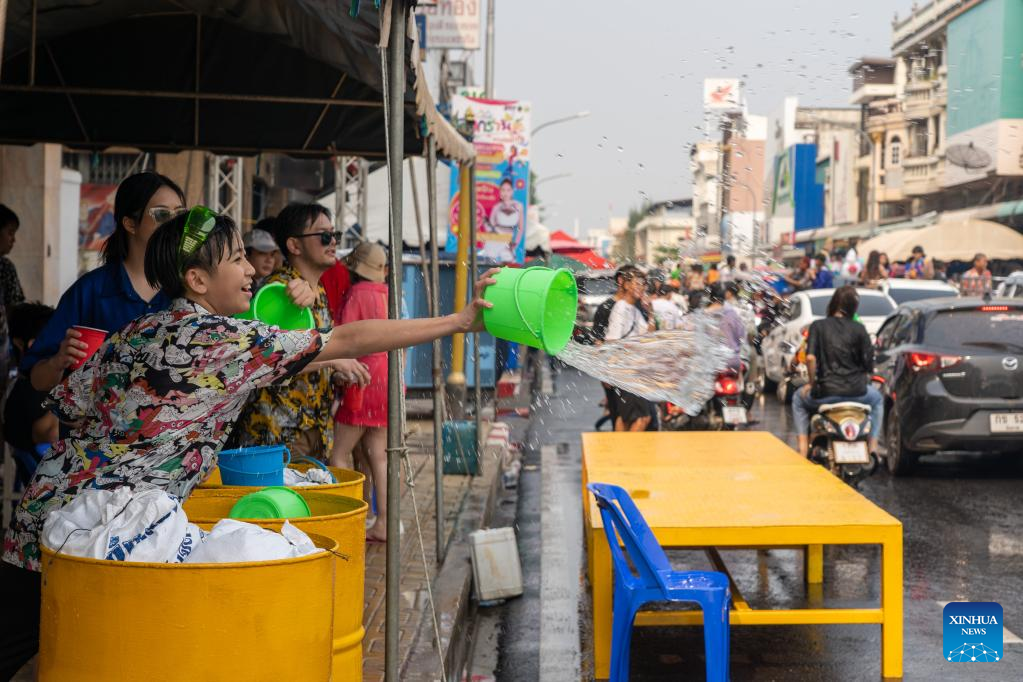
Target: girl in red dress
363	412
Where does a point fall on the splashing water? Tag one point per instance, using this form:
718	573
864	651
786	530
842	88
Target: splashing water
677	366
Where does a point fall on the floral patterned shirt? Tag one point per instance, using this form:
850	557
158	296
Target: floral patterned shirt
153	407
10	285
277	414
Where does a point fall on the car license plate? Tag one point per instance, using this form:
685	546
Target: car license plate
734	414
851	453
1007	422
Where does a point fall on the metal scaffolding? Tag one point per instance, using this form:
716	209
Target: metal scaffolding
224	182
350	198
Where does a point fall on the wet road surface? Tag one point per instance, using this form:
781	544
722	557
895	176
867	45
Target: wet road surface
961	516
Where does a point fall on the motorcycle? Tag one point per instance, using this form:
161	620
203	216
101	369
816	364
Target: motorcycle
727	409
796	375
838	441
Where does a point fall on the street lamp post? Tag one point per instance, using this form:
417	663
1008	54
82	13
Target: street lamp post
565	119
551	177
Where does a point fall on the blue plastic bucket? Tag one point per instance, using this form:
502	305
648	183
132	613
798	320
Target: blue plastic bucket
258	466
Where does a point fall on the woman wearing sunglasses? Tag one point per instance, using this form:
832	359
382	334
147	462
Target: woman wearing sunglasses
117	292
153	407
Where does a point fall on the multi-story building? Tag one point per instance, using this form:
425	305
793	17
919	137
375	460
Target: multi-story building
945	114
663	231
705	161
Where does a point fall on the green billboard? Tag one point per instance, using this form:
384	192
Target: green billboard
985	72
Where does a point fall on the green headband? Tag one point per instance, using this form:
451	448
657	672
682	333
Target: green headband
198	225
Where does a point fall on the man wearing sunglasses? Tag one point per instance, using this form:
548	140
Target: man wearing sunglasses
298	414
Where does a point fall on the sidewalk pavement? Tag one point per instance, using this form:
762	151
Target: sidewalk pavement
414	600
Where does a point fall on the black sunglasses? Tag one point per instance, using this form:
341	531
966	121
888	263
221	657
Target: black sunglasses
325	237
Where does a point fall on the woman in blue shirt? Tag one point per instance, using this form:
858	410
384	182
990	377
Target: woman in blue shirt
114	294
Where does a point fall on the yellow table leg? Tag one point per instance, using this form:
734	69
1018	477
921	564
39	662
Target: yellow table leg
601	581
891	605
813	561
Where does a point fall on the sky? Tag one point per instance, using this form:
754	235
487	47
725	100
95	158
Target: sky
638	68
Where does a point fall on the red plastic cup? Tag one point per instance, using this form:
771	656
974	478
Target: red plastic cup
353	397
93	338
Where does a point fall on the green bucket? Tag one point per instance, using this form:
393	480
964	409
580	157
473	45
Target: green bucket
533	306
272	305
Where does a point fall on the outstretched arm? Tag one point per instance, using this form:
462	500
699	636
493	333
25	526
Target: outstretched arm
356	339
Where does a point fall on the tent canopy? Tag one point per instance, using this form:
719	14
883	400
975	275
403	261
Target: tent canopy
950	240
300	77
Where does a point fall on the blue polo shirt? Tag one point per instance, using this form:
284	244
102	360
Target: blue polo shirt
824	279
103	298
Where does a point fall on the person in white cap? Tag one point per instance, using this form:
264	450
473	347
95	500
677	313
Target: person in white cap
261	251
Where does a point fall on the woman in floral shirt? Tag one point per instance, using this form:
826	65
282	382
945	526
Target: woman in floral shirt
155	404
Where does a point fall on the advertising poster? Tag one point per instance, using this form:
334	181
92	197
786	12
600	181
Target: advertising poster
96	216
451	24
501	139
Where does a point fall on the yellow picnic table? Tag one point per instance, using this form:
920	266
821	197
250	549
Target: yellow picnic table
746	489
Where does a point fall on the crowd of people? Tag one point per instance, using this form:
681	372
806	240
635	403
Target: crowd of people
845	266
183	369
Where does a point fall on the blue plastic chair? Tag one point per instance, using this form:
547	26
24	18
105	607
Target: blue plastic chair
656	581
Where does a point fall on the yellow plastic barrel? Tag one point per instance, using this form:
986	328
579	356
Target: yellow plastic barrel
343	519
118	621
349	482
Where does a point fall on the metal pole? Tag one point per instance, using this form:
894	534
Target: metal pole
477	401
3	28
395	437
456	379
438	372
419	229
488	87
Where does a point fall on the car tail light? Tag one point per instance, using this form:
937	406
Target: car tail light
674	409
930	361
806	332
994	308
726	385
878	378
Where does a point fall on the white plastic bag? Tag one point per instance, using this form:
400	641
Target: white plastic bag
314	476
118	525
232	540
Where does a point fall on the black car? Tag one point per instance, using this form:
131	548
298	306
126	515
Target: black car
951	374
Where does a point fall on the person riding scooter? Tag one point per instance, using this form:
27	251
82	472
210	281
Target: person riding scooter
839	359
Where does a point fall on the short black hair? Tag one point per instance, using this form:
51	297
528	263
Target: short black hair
293	221
820	257
625	272
730	260
716	293
732	288
26	320
845	300
163	268
133	194
8	217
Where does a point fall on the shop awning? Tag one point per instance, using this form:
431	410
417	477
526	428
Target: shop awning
300	77
950	240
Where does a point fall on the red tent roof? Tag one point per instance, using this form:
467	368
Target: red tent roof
561	243
567	246
591	259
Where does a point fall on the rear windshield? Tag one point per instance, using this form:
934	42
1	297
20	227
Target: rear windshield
870	306
996	329
905	295
596	286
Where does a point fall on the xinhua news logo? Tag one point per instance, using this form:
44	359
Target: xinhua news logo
972	632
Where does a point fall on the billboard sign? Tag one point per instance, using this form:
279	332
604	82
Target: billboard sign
985	93
96	216
722	94
501	138
452	24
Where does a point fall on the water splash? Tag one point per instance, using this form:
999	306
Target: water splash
677	366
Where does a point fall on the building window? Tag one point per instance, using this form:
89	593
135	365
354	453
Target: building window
918	139
896	150
937	132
